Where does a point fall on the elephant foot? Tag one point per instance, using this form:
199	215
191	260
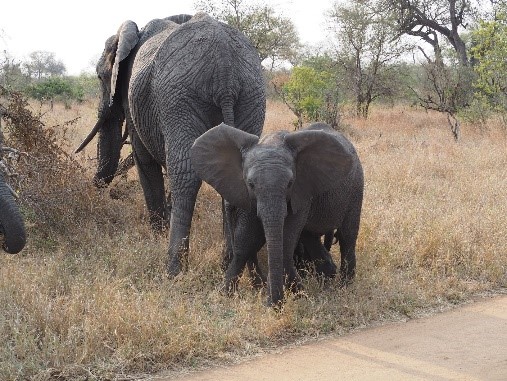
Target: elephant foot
257	278
230	286
276	305
226	258
346	280
326	269
347	273
275	298
296	288
293	284
179	262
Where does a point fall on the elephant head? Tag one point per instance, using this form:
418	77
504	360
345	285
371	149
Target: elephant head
112	70
12	228
278	175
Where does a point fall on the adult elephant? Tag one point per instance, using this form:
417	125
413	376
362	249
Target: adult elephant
12	228
172	81
307	181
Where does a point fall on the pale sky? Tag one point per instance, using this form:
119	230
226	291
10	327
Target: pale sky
76	30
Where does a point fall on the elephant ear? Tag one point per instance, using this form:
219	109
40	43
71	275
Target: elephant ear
322	161
128	37
216	157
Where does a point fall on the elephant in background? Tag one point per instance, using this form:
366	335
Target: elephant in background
12	227
172	81
310	180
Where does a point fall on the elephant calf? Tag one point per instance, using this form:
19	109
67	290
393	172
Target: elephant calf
309	251
306	181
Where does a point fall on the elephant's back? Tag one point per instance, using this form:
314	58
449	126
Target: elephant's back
206	48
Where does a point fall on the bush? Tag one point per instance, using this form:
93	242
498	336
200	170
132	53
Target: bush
50	179
64	89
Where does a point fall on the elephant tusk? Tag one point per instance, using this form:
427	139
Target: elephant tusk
92	133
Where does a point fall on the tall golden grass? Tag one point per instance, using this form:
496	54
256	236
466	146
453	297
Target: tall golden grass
92	301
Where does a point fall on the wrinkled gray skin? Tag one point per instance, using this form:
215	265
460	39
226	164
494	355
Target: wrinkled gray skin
172	81
310	253
309	180
12	228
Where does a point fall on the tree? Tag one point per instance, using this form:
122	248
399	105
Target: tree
366	49
303	93
448	80
429	19
51	88
42	64
275	37
489	51
11	74
313	91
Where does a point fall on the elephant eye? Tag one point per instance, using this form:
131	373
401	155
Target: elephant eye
251	184
289	185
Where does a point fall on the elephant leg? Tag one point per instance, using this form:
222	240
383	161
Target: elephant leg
317	253
183	203
347	237
257	277
152	182
300	259
228	223
292	229
328	239
248	240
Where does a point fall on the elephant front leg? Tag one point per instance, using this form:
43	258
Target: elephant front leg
292	231
248	239
152	182
228	223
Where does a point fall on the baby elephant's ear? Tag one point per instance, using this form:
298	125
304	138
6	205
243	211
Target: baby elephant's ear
216	158
322	162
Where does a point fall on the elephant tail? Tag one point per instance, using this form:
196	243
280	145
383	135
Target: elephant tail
227	106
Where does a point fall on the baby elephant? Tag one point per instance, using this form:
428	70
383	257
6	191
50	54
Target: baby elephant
310	180
245	230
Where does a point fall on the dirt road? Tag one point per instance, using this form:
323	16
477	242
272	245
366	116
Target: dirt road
468	343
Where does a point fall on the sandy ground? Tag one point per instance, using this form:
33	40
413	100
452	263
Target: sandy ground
467	343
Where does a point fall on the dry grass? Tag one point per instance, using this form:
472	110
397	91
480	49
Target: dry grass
91	302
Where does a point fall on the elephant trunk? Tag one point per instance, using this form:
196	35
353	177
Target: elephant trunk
272	216
109	146
11	223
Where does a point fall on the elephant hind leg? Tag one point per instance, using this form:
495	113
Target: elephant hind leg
183	203
317	253
347	237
